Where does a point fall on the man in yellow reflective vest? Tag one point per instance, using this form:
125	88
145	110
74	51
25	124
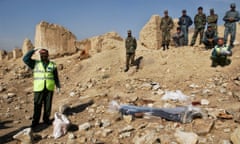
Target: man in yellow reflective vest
220	53
45	76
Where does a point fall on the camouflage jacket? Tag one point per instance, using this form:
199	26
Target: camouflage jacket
130	44
200	21
212	19
166	24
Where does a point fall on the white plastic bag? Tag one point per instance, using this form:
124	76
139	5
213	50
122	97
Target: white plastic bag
175	96
114	106
60	125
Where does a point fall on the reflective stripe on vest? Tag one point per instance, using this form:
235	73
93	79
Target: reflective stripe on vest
221	49
43	77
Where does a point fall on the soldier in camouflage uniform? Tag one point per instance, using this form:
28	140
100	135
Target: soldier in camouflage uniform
166	25
231	17
212	20
131	46
199	23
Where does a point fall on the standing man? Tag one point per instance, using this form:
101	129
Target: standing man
185	22
199	25
230	18
131	46
45	77
165	26
212	20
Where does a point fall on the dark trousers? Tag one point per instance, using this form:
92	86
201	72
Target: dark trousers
184	29
210	44
42	98
220	60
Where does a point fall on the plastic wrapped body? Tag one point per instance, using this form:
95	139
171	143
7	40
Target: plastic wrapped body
183	114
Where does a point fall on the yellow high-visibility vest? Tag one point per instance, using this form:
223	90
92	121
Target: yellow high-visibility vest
43	77
220	50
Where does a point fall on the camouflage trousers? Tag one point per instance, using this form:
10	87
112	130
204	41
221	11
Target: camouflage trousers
196	32
166	37
130	59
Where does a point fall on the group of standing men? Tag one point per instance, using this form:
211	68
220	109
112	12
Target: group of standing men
200	21
209	37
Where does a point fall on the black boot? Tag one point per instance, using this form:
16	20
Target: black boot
126	69
167	46
231	45
214	64
163	45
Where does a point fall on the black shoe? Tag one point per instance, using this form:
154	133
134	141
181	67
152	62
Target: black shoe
228	62
213	65
126	69
231	45
47	122
191	44
34	125
164	48
163	45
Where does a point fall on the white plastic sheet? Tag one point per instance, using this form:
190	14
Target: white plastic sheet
60	125
175	96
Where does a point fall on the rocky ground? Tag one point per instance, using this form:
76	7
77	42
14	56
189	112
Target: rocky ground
90	85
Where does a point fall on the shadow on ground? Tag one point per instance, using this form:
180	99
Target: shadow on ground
78	108
137	62
9	136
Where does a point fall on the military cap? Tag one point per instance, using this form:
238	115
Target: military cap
184	11
166	11
200	8
211	10
233	5
129	31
